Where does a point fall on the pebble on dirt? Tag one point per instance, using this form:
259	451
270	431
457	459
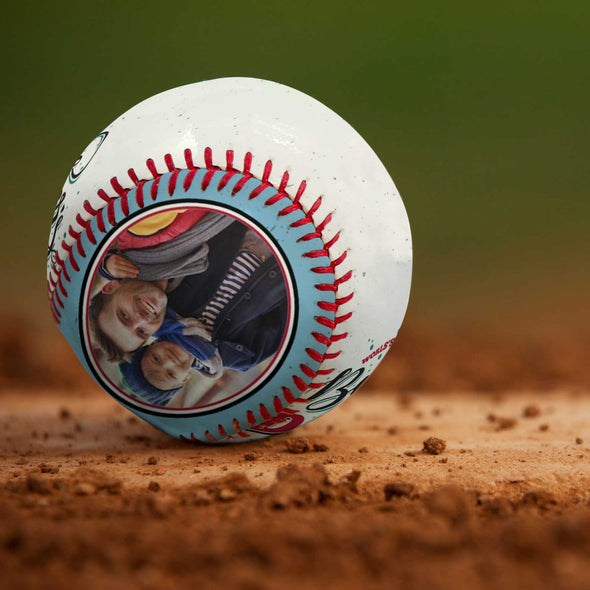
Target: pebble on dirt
434	446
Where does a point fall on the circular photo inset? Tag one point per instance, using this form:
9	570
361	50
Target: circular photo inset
187	308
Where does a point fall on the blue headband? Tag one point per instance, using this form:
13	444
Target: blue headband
135	381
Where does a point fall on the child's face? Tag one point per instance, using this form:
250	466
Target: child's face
166	365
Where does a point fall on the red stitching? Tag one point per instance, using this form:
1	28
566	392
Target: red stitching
169	162
325	222
54	311
277	404
133	176
276	198
284	182
314	354
310	236
154	188
103	196
330	243
333	264
322	339
229	160
100	222
264	412
342	300
323	269
61	287
340	259
117	186
77	240
151	166
240	184
188	158
89	208
111	213
332	355
58	301
208	156
226	178
300	191
290	209
125	204
188	179
238	429
313	385
247	162
71	258
56	286
259	189
316	253
289	397
60	263
324	321
172	182
343	278
328	306
308	371
207	178
139	194
90	233
267	171
299	383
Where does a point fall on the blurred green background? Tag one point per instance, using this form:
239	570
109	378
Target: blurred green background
479	112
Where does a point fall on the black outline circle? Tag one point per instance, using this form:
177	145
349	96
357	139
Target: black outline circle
81	324
72	177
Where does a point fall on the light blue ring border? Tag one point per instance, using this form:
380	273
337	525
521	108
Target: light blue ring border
304	279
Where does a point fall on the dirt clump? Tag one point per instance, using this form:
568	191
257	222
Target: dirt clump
450	502
540	498
531	411
434	446
502	422
298	445
225	489
308	486
399	490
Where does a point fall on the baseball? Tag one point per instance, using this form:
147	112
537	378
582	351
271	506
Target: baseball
229	260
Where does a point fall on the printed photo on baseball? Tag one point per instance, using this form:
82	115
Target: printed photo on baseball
188	307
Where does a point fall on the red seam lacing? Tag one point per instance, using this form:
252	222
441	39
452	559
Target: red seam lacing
56	286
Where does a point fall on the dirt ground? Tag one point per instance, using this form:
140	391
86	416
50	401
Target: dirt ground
409	484
92	496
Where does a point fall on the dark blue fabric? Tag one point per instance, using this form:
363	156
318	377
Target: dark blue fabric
171	330
250	328
194	291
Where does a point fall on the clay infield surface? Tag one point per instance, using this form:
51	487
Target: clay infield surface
497	497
